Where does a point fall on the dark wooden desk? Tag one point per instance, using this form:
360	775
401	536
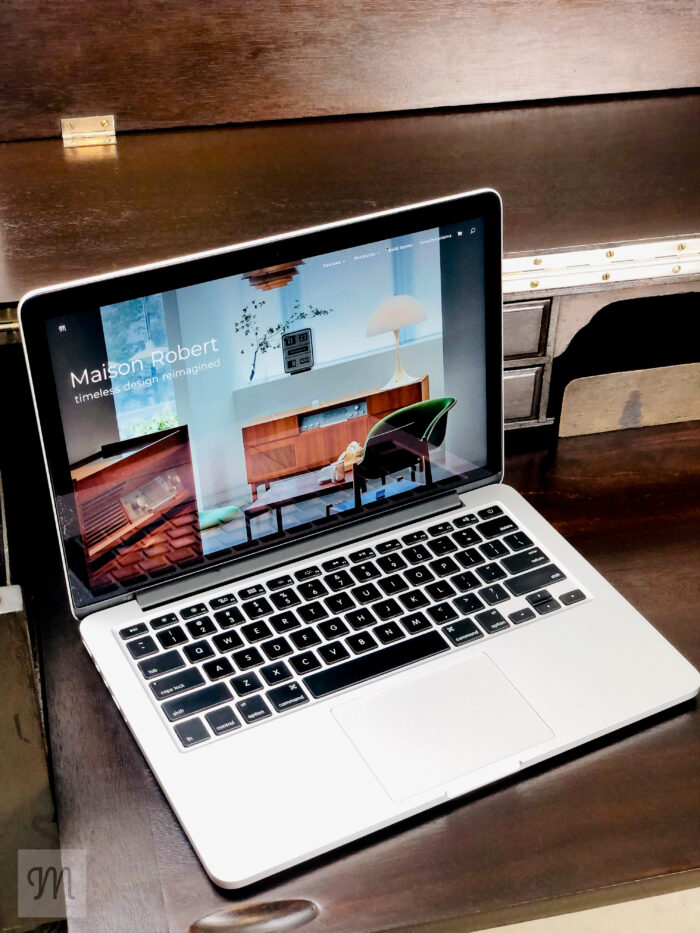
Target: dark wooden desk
581	830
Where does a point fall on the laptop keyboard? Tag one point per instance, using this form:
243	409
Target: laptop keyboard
222	664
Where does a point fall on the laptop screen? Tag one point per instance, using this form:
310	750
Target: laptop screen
208	420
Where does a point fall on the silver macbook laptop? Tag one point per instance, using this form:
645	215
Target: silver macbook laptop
277	480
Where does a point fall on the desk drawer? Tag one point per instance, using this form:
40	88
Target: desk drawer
525	328
521	393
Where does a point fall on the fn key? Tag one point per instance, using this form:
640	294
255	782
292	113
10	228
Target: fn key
191	732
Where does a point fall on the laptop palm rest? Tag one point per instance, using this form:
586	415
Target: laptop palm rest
430	730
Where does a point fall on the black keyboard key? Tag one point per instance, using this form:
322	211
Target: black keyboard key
361	642
489	573
497	526
417	576
443	545
491	511
385	546
220	602
253	708
227	641
468	604
360	618
440	590
168	686
276	673
335	564
139	628
256	631
366	571
442	613
284	622
245	684
191	732
465	581
312	612
357	557
306	638
248	658
491	621
250	592
199	651
391	562
366	594
340	580
218	668
228	617
393	584
170	637
539	596
518	540
277	583
312	589
525	560
333	628
387	609
462	520
284	599
534	580
303	663
443	567
161	621
470	558
462	631
257	607
334	652
521	615
414	599
493	549
307	573
414	537
222	720
161	664
436	530
340	602
388	633
287	696
493	594
415	622
198	628
191	611
378	662
549	606
276	648
417	554
466	537
196	702
575	596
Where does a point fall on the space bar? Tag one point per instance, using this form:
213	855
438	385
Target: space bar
371	665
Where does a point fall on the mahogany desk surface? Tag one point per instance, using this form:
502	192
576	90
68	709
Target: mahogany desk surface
580	830
569	174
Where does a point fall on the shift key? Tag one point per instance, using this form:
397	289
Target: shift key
196	702
534	580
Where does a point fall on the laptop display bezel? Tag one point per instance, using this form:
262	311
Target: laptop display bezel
40	306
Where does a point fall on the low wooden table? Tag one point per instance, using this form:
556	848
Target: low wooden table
607	822
289	491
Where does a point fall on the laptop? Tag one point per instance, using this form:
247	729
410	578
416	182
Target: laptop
276	472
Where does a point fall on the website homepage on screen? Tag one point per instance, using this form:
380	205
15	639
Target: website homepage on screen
207	418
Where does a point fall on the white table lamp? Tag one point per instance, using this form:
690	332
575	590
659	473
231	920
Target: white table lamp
390	316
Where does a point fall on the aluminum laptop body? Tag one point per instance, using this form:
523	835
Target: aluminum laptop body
276	472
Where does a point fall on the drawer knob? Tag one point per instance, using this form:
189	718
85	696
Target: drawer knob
265	917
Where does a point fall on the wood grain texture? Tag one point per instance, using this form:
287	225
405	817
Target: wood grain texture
154	64
569	175
618	811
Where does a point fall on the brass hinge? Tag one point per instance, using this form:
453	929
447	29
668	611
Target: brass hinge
88	131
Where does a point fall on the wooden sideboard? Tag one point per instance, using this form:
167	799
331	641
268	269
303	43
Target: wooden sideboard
289	443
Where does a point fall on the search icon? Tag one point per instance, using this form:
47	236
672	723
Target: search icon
473	230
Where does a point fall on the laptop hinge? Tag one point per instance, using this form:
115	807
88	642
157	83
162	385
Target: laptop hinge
287	554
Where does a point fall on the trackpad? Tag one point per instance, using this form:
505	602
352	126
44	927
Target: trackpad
435	728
